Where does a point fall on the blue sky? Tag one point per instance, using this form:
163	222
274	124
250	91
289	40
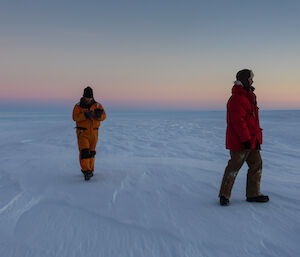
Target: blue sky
166	54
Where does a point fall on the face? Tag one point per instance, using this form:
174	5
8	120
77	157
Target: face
88	100
250	81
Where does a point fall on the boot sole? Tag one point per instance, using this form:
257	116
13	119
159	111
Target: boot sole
257	201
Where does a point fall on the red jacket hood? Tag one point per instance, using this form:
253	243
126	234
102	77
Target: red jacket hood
238	89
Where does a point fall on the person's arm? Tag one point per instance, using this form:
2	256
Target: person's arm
77	114
100	113
103	117
237	116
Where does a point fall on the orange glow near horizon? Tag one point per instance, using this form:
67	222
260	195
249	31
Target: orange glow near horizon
153	96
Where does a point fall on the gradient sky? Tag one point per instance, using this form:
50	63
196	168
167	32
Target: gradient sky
149	54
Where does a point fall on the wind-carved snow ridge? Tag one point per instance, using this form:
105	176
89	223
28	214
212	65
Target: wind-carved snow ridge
24	141
10	192
154	193
19	203
117	191
10	204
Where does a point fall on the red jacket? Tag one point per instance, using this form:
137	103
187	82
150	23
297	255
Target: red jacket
242	119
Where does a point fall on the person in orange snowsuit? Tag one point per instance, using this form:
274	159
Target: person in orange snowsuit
88	115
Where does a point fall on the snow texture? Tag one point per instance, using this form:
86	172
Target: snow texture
154	192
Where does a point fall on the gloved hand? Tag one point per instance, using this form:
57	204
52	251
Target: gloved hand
89	114
98	113
247	145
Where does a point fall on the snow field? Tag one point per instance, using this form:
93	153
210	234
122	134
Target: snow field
154	192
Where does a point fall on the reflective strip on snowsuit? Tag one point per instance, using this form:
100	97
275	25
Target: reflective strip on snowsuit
87	134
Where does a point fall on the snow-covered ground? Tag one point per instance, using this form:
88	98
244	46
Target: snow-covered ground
154	192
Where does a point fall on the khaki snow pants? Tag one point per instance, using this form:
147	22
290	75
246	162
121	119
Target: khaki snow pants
254	162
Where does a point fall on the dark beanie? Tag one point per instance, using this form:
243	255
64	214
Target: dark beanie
88	92
243	76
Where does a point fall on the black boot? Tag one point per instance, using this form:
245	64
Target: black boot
224	201
258	199
87	174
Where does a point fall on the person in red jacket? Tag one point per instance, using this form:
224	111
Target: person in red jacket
88	115
243	139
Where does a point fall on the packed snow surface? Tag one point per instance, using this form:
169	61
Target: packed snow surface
155	191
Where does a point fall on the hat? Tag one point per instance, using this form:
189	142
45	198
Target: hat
243	76
88	92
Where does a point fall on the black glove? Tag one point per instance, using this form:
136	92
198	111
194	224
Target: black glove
89	115
257	145
98	113
247	145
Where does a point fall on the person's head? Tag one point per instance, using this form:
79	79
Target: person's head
88	94
246	77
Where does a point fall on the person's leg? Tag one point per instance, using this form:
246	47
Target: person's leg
92	161
93	144
254	162
84	152
85	159
234	165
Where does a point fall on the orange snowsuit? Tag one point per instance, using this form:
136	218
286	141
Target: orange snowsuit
87	134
